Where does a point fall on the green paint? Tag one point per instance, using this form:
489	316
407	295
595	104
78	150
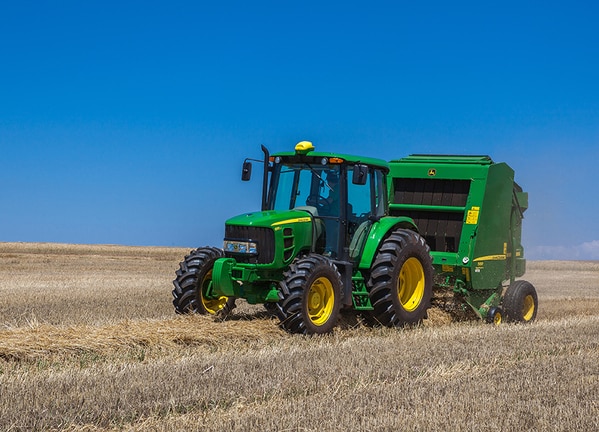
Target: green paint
468	209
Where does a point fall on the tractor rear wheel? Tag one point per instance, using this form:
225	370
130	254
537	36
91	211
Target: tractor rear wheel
401	280
520	302
311	291
193	284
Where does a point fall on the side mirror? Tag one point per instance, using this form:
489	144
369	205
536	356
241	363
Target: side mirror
246	172
360	174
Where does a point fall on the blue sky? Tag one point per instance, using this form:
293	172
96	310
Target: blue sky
127	122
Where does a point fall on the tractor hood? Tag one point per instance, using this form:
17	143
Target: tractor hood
270	237
271	218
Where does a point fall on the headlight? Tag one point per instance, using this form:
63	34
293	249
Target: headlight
240	247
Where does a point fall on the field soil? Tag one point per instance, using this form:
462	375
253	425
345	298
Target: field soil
89	341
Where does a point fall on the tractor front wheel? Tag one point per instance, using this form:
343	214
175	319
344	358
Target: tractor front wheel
520	302
311	291
193	284
401	280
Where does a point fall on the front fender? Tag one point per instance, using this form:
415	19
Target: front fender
378	232
222	279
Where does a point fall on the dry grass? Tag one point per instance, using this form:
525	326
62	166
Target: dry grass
89	341
73	284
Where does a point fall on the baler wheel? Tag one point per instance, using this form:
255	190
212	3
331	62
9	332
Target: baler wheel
193	284
495	316
520	302
401	280
311	291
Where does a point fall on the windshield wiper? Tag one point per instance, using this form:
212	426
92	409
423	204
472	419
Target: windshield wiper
318	175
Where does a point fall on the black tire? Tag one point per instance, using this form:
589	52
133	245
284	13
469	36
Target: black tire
275	310
311	296
193	279
520	302
401	280
495	316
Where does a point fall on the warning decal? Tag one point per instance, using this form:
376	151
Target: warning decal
472	217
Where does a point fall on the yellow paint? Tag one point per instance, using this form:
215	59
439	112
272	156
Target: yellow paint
528	308
497	319
410	284
466	272
304	146
321	301
447	268
212	305
296	220
472	217
491	258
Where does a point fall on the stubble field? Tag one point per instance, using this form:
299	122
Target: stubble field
89	342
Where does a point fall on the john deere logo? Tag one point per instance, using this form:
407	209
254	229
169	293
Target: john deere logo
432	172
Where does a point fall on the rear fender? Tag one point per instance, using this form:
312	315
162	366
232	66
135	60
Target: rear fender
378	232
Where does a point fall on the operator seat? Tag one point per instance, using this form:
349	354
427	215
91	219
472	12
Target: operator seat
359	238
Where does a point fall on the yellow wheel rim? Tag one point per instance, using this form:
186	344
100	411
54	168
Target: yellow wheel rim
497	318
321	300
410	288
212	305
528	308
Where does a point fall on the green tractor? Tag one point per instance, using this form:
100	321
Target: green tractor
323	241
334	232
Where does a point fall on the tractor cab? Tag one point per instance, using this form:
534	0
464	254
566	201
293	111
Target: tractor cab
343	195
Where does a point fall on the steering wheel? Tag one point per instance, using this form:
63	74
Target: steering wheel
319	202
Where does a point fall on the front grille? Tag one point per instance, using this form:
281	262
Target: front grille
263	237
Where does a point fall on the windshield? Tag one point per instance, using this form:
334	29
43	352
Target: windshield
304	185
342	210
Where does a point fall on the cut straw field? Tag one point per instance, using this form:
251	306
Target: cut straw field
89	342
